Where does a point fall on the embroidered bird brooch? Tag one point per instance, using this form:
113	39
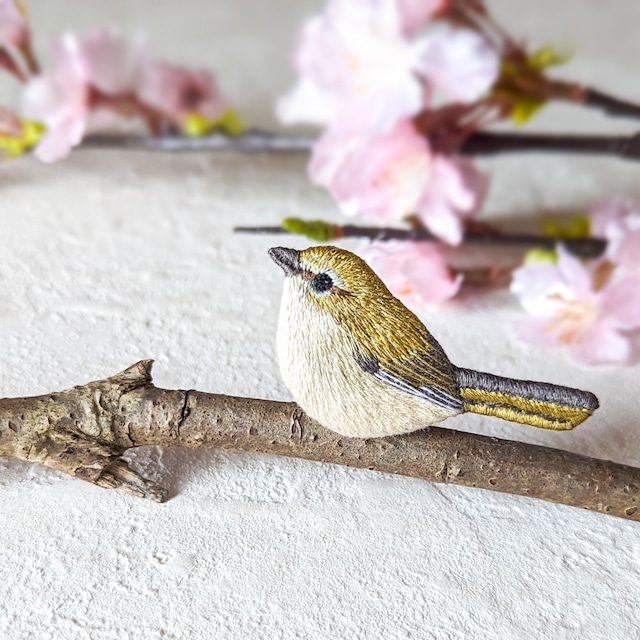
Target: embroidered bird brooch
360	363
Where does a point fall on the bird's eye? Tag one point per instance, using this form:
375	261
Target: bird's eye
321	282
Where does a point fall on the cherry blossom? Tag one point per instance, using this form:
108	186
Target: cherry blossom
60	102
101	76
356	56
416	272
364	74
589	308
101	63
177	91
388	177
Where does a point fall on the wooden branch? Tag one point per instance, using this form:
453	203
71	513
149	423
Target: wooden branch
484	143
83	431
583	247
477	144
609	104
252	140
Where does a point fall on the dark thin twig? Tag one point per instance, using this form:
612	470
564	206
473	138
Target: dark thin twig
583	247
610	105
477	144
480	144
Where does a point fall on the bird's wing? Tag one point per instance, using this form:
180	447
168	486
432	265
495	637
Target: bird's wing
422	374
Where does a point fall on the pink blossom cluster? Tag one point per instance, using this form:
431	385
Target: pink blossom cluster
104	73
94	80
366	69
591	307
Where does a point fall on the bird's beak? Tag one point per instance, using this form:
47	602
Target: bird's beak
288	259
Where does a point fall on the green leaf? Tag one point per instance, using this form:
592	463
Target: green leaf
13	146
196	125
317	230
538	254
576	227
524	109
546	57
231	122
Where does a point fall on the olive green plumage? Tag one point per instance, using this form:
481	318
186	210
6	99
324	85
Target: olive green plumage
357	360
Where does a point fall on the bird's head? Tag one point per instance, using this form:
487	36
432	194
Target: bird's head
332	280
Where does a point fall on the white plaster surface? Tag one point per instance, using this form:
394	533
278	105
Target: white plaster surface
112	257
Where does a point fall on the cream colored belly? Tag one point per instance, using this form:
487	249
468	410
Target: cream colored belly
318	367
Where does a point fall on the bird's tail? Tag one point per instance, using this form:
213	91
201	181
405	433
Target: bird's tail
534	403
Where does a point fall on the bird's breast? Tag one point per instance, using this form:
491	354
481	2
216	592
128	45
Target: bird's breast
318	365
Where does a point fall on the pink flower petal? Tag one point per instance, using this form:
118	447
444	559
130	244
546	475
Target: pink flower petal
540	289
413	271
382	176
608	212
601	345
177	91
332	150
60	101
621	303
355	53
307	102
111	62
394	171
577	277
627	252
55	99
68	57
386	107
440	218
431	278
618	221
536	332
458	62
58	141
449	173
415	13
453	194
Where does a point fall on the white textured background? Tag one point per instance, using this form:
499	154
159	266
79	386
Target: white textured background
112	257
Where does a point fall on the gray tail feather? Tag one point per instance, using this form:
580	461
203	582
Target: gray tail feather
535	403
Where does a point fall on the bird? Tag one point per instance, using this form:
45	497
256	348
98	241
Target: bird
360	363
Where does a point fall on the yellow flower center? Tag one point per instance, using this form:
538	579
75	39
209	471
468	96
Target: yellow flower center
572	319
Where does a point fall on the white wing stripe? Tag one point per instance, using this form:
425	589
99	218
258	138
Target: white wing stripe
430	393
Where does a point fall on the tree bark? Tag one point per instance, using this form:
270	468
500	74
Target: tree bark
85	430
480	143
582	247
